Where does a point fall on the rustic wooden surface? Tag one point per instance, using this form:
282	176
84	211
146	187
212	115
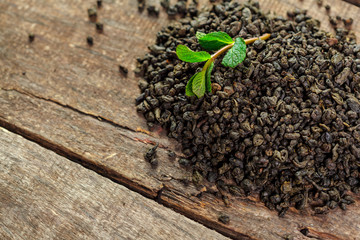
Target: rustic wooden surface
60	66
71	99
45	196
117	153
355	2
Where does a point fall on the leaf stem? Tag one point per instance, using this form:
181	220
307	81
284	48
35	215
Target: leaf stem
221	51
227	47
207	64
263	37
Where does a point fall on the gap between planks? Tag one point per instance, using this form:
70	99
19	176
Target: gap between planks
105	171
97	117
49	197
153	193
354	2
172	198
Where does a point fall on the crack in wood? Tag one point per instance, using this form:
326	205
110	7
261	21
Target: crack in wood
354	2
115	177
177	198
313	234
162	196
169	194
71	196
99	118
87	163
95	53
103	170
154	194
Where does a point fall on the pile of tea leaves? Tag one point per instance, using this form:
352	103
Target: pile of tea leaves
284	123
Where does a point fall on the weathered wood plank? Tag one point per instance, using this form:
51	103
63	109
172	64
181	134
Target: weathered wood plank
355	2
338	7
117	153
46	196
60	66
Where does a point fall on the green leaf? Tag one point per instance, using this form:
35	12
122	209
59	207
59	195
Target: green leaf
187	55
200	35
188	90
208	77
236	54
215	40
198	84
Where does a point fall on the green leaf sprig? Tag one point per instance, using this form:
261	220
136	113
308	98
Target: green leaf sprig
221	42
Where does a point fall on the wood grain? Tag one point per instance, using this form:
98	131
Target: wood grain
118	154
58	89
46	196
355	2
60	66
338	7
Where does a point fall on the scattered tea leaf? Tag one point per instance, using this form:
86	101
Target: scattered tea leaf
31	37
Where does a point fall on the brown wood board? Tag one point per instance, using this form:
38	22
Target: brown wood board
355	2
59	65
68	86
45	196
118	154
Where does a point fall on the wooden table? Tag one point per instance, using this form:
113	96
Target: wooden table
72	144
